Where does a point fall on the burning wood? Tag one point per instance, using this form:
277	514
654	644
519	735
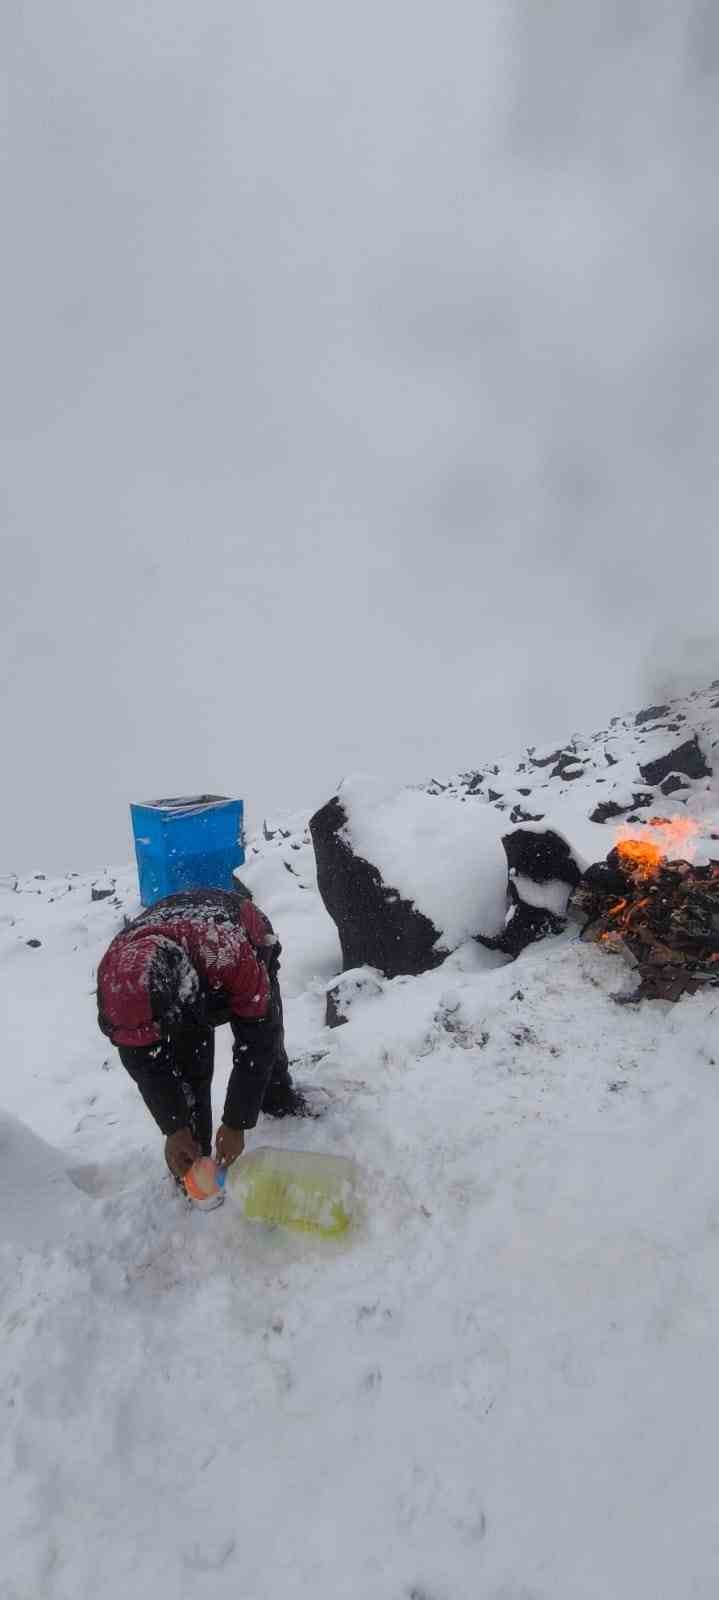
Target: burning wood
661	914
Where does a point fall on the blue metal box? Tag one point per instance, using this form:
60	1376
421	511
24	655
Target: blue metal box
190	843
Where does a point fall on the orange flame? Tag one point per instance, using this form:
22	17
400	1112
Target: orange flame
661	839
640	856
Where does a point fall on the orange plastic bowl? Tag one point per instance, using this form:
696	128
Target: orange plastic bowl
204	1183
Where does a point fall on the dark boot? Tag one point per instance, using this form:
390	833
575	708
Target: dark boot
283	1099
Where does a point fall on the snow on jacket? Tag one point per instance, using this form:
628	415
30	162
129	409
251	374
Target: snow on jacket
204	941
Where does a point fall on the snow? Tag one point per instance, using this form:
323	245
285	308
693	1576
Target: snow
446	858
499	1386
550	896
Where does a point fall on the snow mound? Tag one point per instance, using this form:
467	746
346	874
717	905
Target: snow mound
39	1204
281	875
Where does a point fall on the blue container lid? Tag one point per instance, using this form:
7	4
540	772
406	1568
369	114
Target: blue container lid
187	803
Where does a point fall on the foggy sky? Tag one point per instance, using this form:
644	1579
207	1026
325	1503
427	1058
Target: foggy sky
359	392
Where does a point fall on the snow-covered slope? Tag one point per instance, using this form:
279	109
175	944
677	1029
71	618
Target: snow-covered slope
501	1388
584	787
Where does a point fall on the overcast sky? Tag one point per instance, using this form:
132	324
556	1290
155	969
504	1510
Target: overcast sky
360	391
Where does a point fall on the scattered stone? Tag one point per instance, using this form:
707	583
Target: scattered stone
35	944
519	815
609	808
606	810
688	759
568	760
546	761
346	990
650	714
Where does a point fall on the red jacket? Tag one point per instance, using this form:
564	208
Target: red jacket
205	939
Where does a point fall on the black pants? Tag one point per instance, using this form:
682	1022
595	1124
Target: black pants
175	1076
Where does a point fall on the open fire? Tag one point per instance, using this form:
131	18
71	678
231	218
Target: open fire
651	904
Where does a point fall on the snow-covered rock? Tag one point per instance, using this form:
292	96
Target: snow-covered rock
407	876
349	990
543	870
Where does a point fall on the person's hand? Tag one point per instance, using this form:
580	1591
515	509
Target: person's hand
229	1144
181	1149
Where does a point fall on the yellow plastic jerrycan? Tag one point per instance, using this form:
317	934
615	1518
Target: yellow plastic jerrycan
301	1190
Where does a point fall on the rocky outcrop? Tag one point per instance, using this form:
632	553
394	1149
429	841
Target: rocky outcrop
377	928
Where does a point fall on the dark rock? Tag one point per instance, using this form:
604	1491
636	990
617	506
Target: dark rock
525	925
376	927
342	995
610	759
650	714
493	794
35	944
334	1018
519	815
567	759
101	894
610	808
687	758
672	783
540	856
546	761
606	810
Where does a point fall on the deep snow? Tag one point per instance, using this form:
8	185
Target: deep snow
501	1388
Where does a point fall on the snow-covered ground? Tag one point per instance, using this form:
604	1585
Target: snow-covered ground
501	1387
